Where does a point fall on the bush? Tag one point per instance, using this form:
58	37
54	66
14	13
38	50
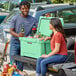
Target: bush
57	1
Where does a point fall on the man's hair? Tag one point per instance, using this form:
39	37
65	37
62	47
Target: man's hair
24	3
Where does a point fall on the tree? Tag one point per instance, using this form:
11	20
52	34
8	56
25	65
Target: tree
64	1
57	1
5	6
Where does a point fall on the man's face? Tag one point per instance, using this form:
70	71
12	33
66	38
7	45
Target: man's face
24	10
48	15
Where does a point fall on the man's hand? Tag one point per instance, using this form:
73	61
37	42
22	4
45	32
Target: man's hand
21	35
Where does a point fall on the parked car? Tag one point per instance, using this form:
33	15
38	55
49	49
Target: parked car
3	14
2	18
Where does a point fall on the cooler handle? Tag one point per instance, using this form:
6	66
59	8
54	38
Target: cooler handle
29	42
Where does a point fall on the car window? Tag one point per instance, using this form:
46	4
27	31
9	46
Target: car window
69	16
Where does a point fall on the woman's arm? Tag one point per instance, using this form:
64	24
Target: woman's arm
46	38
56	50
58	40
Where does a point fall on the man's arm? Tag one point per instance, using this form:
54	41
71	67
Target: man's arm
13	33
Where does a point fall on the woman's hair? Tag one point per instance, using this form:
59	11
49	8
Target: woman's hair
56	23
24	3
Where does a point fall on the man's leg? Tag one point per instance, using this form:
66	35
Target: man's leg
15	50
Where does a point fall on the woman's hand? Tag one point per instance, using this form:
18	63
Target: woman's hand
44	56
47	38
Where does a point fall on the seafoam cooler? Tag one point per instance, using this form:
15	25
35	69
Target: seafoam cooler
33	47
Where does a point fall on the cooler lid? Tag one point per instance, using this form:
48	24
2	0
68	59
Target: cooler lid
43	25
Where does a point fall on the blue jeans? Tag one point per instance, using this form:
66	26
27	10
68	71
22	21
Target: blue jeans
42	63
15	50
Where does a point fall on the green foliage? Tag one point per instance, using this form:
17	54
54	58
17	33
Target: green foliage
6	6
57	1
63	1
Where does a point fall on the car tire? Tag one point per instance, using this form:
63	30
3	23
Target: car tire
70	43
61	72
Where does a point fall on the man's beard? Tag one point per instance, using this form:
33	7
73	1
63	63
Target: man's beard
25	15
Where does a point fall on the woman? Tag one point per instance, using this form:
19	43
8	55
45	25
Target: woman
58	47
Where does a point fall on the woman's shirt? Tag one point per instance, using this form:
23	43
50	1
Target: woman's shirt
58	38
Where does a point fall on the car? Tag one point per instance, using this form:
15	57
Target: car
3	14
2	18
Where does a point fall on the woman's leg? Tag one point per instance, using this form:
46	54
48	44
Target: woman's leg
51	59
38	66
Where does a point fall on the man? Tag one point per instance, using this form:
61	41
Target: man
48	15
25	20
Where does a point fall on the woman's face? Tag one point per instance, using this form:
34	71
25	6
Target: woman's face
51	26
